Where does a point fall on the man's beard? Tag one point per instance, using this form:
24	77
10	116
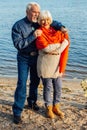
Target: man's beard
35	20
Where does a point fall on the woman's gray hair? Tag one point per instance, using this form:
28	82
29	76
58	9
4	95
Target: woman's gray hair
29	6
44	15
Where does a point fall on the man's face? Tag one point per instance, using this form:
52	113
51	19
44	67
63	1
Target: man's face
33	14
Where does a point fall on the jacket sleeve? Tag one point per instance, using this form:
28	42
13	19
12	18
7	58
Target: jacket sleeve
57	25
21	42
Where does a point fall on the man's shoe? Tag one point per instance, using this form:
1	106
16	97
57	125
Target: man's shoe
17	120
33	106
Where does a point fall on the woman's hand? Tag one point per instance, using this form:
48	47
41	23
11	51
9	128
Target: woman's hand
60	74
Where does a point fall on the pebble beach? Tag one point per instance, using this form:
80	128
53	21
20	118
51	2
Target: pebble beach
73	104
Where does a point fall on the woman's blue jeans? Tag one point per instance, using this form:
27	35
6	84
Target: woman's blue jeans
52	90
26	65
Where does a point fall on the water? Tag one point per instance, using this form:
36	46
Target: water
73	14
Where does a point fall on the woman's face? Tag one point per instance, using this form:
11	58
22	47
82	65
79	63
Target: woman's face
45	22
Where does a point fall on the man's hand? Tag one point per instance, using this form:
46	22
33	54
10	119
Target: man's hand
64	30
37	33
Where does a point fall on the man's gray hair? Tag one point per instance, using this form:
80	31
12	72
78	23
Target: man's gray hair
29	6
44	15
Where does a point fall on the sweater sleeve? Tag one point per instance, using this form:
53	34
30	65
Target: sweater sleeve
63	45
51	47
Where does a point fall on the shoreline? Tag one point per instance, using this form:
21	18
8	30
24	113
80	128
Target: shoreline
68	83
13	80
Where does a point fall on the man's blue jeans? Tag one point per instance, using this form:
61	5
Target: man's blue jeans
26	64
52	85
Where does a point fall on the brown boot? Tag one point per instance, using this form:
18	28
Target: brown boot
50	113
57	111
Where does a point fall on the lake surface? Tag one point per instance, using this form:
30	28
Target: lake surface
72	13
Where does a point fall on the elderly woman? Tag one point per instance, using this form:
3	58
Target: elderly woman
53	53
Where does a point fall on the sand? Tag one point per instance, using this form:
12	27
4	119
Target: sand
73	104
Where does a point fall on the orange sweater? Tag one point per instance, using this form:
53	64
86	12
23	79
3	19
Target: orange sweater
52	36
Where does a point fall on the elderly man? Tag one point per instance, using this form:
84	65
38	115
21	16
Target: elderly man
24	33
